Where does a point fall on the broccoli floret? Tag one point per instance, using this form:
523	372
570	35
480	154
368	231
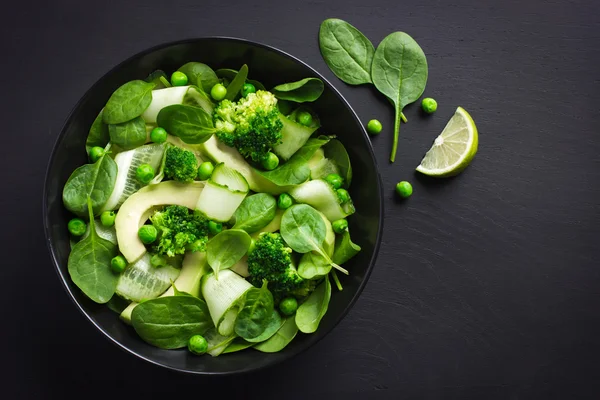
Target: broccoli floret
271	260
180	164
179	230
251	125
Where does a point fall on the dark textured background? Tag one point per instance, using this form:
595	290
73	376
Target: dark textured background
487	285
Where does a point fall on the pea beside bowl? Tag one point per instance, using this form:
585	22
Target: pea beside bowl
270	66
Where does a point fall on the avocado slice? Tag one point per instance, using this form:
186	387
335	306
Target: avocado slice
193	268
138	207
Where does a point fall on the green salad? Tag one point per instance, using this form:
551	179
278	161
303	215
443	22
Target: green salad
212	213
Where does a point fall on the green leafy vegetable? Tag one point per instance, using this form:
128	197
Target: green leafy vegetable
275	322
335	150
127	102
117	304
313	265
169	322
191	124
227	248
310	312
89	264
229	75
236	84
255	212
308	89
98	135
128	135
200	74
238	344
399	71
256	314
95	181
345	249
280	339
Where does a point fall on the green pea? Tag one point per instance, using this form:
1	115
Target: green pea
271	162
118	264
343	195
340	225
95	153
108	218
158	135
288	306
205	170
147	234
429	105
179	79
158	261
335	180
218	92
374	127
214	227
404	189
144	173
305	118
77	227
247	89
284	201
197	345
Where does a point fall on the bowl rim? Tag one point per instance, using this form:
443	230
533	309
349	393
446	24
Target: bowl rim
63	277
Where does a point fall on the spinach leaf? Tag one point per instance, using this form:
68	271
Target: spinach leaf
399	71
313	265
345	249
200	74
310	313
117	304
347	52
228	74
308	89
282	338
95	181
191	124
129	135
238	344
89	264
159	78
227	248
127	102
256	314
296	170
236	84
255	212
335	150
275	322
169	322
98	135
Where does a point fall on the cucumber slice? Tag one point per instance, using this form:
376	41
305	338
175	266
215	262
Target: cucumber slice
141	281
162	98
223	298
223	194
127	183
294	136
320	195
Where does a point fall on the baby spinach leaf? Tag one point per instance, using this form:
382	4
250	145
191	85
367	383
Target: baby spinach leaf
255	316
200	74
95	181
228	74
236	84
308	89
399	71
335	150
128	135
117	304
191	124
280	339
345	249
238	344
169	322
313	265
159	78
127	102
310	313
255	212
89	264
303	229
227	248
98	135
275	322
347	52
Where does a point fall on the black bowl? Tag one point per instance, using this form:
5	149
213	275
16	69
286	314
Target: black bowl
270	66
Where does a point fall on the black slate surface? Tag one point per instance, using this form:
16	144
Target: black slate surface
487	285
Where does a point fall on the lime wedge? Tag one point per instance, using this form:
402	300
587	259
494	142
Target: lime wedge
454	149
